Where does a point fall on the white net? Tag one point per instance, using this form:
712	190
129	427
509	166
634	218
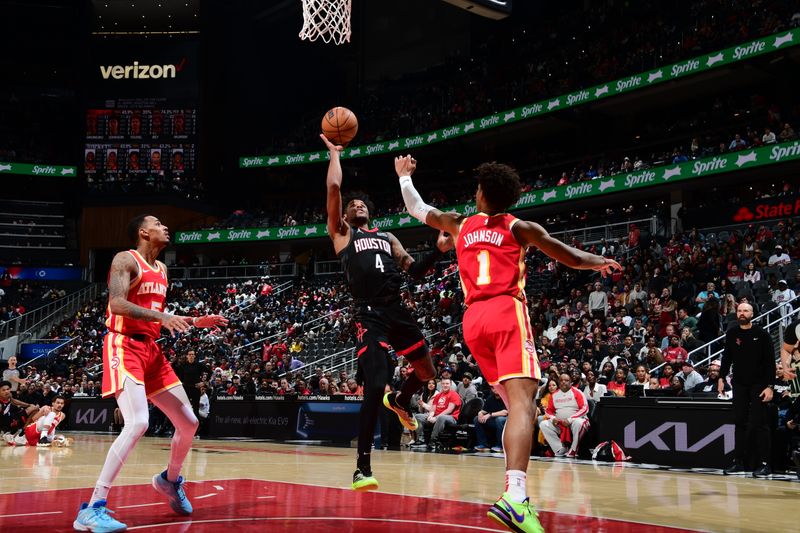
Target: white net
326	19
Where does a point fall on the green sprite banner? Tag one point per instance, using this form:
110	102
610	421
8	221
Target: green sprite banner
37	170
765	155
704	63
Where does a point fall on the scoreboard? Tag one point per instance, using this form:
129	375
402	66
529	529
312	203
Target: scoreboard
137	141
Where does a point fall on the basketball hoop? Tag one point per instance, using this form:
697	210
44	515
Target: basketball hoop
328	19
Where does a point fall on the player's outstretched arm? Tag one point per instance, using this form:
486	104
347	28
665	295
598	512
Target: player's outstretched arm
333	182
427	214
119	283
530	233
418	269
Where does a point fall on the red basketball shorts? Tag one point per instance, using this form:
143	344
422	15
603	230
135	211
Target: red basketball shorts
139	360
32	435
498	333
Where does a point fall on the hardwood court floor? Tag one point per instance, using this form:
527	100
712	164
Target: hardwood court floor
254	486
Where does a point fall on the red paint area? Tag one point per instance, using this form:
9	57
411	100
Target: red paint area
224	447
252	505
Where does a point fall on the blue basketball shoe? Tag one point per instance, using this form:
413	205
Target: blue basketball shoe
96	518
174	492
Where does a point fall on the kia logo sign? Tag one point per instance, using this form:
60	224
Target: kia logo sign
91	416
680	444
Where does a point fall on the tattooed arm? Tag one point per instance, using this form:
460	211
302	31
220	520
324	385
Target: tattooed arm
123	267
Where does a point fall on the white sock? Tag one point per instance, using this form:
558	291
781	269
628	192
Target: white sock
100	492
44	425
516	485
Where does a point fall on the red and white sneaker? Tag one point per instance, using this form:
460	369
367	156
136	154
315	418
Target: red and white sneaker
572	454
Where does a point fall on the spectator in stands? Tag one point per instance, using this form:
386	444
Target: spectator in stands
612	359
779	258
637	293
703	296
323	388
686	320
669	331
787	133
675	353
676	386
617	387
782	295
738	143
491	420
565	418
466	390
442	411
768	137
593	390
607	371
711	383
641	376
598	302
688	340
709	326
354	388
423	398
690	377
734	276
445	373
286	388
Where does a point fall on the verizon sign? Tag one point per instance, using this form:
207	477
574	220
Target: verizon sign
141	72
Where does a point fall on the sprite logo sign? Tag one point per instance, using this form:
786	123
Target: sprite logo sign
663	74
26	169
765	155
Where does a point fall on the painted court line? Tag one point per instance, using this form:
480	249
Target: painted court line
205	496
317	518
218	487
29	514
139	505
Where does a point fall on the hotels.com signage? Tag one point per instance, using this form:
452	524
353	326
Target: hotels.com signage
141	72
768	209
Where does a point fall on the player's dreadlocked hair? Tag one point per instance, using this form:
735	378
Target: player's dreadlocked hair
358	195
500	185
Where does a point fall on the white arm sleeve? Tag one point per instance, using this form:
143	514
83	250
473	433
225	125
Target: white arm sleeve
414	204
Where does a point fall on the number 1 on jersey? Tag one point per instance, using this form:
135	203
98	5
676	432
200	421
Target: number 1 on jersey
378	262
483	268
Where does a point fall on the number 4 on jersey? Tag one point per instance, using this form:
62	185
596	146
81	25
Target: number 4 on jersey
378	262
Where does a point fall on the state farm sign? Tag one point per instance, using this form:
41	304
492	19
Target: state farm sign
766	210
756	211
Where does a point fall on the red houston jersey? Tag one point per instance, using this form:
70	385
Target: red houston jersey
148	290
490	260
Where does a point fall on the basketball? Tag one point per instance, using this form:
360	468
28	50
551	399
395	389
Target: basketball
340	125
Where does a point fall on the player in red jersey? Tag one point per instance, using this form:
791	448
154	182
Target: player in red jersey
41	427
135	370
491	247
